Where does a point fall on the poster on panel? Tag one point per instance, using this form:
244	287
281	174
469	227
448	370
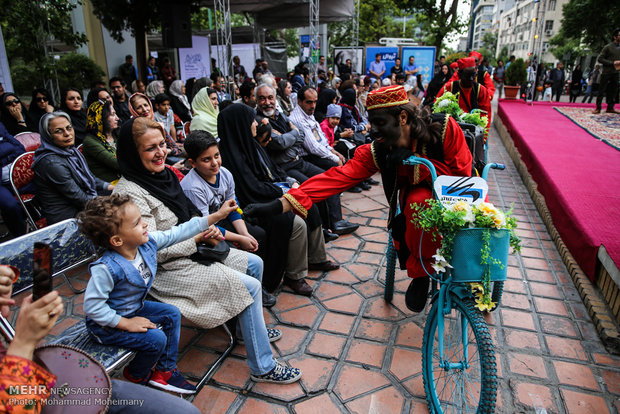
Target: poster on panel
424	59
195	62
341	54
388	57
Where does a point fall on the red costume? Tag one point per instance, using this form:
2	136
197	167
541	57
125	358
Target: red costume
467	101
486	80
403	185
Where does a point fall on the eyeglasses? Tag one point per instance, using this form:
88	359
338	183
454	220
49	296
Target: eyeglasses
61	131
12	102
41	99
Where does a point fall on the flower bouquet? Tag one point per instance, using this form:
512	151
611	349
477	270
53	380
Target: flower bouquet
474	243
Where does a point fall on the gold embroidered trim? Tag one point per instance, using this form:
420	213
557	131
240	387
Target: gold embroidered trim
374	155
445	128
386	105
297	205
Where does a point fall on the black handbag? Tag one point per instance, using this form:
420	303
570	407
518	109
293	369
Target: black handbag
208	254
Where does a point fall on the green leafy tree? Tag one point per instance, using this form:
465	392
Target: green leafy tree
439	18
566	50
590	22
489	41
78	71
29	25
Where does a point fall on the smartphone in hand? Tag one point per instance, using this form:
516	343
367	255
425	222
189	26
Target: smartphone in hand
42	274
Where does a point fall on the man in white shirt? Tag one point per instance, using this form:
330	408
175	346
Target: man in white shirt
316	148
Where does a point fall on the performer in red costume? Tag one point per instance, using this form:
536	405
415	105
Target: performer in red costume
472	95
483	75
399	129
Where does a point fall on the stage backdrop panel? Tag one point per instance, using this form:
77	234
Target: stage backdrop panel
388	56
424	59
195	62
247	52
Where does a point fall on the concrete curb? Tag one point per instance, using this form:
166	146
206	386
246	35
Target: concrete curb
592	298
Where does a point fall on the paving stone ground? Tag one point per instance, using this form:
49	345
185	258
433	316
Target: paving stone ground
362	355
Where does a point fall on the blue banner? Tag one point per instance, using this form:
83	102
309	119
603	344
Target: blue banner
424	59
388	57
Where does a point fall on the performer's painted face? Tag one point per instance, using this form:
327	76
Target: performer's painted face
384	126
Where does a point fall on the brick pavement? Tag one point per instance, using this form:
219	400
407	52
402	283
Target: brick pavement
361	355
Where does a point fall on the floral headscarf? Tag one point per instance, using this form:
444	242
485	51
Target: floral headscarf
95	124
133	111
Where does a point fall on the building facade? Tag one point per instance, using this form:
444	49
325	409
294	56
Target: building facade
482	21
526	28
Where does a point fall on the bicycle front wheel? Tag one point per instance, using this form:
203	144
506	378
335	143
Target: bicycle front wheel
465	380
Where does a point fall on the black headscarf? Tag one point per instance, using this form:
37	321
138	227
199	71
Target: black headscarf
8	120
34	112
326	97
249	163
163	185
78	118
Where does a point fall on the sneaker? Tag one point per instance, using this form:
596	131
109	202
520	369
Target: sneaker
171	381
130	378
281	374
272	333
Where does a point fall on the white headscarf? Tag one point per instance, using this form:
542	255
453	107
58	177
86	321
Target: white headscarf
176	89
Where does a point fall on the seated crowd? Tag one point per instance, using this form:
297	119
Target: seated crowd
172	151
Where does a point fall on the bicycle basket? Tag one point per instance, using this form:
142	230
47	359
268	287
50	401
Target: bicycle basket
466	254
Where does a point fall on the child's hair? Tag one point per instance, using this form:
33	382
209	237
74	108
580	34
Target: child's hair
160	98
101	218
197	142
263	127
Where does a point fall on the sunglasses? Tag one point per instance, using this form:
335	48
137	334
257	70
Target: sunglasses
41	99
12	102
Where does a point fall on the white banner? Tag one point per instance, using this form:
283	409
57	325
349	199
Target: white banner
195	62
451	189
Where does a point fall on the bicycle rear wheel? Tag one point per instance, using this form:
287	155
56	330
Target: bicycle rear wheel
466	381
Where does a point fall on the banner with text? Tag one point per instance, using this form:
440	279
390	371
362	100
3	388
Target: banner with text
388	57
424	59
195	62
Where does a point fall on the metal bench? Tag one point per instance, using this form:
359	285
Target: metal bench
72	249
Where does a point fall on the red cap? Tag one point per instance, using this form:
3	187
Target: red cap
385	97
476	54
454	65
468	62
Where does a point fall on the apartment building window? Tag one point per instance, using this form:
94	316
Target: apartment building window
551	5
549	25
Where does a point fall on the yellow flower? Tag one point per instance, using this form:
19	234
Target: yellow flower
487	209
499	219
461	206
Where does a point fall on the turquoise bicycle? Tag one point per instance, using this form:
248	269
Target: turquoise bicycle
458	356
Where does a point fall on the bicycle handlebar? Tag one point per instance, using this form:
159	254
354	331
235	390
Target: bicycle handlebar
495	166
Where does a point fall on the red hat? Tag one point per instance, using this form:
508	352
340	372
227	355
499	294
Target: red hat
477	55
386	97
454	65
468	62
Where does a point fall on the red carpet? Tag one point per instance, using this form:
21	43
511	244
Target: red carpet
578	175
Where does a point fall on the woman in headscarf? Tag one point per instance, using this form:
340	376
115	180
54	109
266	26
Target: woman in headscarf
13	114
199	83
205	111
259	180
435	85
351	117
71	103
100	142
284	96
98	94
326	97
140	107
42	103
62	178
180	104
207	295
10	208
154	88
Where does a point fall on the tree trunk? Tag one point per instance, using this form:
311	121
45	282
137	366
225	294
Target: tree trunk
140	34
